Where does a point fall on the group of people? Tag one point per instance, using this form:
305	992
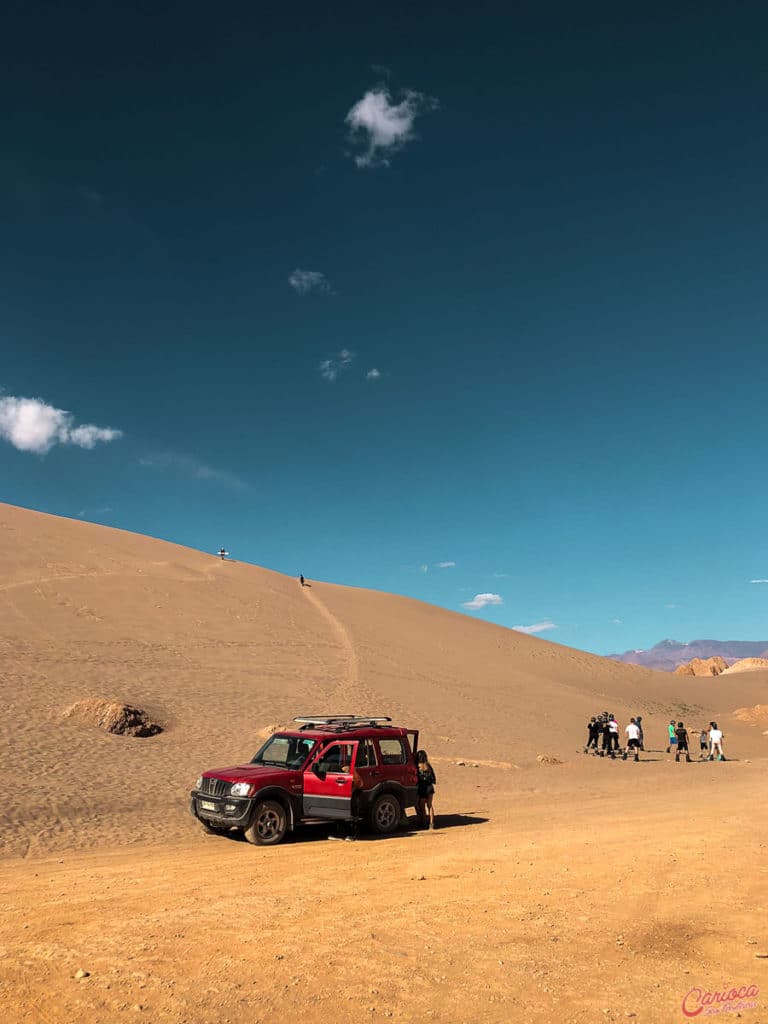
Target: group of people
603	734
710	742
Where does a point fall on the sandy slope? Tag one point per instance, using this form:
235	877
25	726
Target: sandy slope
192	927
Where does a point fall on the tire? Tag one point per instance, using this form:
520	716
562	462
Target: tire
385	813
268	825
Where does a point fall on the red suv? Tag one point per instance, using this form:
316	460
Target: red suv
344	768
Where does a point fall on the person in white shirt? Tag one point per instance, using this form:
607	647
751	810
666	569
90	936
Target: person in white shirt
633	739
613	735
715	742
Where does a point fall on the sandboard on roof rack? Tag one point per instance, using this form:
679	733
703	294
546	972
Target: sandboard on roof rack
342	721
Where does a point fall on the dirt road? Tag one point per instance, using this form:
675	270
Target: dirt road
536	909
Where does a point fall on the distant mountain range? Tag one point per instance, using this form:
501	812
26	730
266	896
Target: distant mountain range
670	653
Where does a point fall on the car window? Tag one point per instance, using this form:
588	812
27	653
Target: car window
366	754
392	752
336	758
284	751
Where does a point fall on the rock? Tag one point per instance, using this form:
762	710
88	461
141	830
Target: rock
703	667
756	715
748	665
121	719
548	759
80	973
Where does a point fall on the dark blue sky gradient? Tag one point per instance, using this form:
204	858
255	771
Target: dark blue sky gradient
561	280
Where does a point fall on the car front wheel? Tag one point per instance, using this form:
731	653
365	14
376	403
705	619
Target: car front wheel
385	814
268	825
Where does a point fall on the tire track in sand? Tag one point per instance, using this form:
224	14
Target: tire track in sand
351	672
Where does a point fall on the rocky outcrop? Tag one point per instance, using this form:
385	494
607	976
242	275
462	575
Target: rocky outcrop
121	719
703	667
757	715
748	665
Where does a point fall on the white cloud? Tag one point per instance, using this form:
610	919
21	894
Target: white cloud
616	622
537	627
331	368
373	374
306	281
424	568
187	465
482	600
446	565
31	425
86	513
384	127
758	581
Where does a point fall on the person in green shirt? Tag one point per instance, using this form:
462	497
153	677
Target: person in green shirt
672	741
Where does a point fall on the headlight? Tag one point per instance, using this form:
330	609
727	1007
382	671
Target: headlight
199	783
241	789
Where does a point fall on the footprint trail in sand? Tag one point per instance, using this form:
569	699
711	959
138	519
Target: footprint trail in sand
351	671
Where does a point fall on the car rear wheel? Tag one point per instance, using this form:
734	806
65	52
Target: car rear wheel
385	814
268	825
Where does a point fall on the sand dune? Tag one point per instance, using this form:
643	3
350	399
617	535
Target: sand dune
213	651
216	653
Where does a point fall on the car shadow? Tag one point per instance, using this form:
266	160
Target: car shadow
342	831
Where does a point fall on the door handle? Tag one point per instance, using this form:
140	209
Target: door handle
341	782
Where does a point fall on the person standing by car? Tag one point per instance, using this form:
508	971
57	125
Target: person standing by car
426	783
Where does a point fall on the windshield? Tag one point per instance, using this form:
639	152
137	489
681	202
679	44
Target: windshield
285	751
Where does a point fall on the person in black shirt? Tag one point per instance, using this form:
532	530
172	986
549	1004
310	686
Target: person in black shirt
682	742
593	731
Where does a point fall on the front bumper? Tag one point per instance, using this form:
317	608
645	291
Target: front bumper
229	811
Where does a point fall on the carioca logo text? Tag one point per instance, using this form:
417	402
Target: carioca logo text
696	1000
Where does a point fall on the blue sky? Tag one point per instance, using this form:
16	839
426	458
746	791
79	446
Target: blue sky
543	226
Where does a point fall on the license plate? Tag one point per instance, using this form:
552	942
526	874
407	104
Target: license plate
207	805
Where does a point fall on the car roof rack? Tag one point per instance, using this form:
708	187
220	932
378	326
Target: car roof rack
343	723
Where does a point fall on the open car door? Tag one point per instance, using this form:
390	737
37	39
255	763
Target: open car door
328	781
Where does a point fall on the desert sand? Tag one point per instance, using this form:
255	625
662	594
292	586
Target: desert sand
578	890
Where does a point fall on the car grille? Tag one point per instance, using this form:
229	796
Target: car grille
215	787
